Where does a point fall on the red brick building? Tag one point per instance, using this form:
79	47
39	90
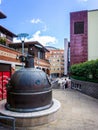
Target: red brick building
36	49
83	36
56	59
9	56
78	37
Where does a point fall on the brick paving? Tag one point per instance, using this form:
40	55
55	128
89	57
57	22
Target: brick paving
78	112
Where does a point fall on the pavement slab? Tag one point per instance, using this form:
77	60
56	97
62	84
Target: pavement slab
78	112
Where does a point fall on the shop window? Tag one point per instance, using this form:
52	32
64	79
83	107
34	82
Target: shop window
78	27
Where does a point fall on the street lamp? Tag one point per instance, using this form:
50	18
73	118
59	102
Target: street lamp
22	37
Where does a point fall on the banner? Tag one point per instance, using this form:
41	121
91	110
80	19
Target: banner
4	76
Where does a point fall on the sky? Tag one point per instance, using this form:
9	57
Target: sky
45	21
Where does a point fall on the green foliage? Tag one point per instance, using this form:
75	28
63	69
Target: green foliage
2	41
87	71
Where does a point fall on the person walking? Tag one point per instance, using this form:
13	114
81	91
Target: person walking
66	84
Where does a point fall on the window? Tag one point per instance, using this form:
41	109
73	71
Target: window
26	50
78	27
41	55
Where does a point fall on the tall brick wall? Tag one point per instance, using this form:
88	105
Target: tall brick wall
78	42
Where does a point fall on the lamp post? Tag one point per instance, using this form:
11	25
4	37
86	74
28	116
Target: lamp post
22	37
38	58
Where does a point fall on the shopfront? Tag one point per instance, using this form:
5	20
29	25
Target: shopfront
5	73
8	62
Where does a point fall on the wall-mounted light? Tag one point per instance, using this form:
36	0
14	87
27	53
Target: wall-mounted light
17	57
30	49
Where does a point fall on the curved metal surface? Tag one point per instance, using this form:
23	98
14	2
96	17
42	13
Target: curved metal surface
29	90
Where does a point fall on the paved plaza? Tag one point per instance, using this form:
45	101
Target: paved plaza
78	112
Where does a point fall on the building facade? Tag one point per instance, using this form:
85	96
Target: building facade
37	50
10	53
7	58
56	59
83	36
66	57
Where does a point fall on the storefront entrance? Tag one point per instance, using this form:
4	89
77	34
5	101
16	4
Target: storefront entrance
5	74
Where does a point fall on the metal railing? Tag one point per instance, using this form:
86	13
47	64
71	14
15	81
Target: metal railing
9	118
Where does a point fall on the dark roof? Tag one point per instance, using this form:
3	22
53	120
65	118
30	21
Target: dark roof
7	32
26	44
93	10
2	15
51	48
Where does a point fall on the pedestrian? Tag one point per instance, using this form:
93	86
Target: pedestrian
66	83
69	82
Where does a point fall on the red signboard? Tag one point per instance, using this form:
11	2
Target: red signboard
4	76
0	85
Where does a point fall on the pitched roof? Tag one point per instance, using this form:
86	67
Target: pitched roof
26	44
7	32
2	15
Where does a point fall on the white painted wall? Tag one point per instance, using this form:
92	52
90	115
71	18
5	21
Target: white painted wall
65	56
93	35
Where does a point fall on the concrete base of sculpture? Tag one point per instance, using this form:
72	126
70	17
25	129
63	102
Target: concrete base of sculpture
32	118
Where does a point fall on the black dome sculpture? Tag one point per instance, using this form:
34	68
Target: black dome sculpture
29	90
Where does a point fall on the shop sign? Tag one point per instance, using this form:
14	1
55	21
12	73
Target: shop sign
7	54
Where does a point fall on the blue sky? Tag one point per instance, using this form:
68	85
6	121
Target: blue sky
46	21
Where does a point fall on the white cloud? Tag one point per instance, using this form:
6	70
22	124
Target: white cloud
0	1
82	0
35	21
44	40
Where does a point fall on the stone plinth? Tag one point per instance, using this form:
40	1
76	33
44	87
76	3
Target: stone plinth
32	118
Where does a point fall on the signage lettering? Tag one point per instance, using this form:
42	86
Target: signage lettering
7	54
